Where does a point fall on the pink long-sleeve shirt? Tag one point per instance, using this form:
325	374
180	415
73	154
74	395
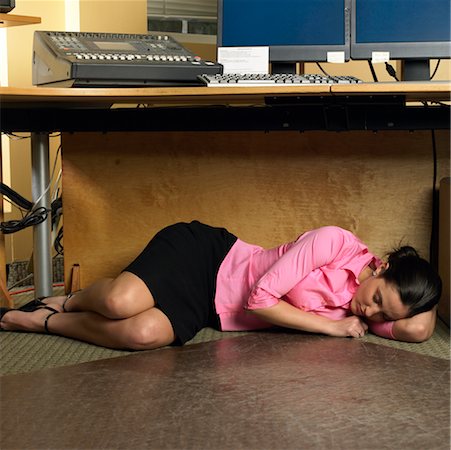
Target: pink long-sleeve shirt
318	273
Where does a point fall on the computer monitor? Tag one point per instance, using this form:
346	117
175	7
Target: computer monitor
7	5
294	30
413	31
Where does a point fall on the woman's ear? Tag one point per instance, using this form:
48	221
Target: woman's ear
381	269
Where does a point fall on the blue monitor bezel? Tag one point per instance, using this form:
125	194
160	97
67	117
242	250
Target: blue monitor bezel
300	53
397	50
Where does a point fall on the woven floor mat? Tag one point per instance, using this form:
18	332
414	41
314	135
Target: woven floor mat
28	352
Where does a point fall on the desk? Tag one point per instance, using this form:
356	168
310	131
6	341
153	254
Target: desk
41	97
367	106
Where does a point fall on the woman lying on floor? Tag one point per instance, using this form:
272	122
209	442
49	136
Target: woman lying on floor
191	276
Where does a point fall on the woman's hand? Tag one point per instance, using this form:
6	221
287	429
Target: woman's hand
285	315
351	326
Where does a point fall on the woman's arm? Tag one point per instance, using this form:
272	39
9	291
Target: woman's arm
418	328
285	315
313	249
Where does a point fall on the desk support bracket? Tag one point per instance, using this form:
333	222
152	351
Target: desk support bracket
40	179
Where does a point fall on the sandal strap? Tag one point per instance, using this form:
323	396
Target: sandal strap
46	325
68	296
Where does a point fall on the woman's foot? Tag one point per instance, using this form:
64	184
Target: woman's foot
58	303
36	321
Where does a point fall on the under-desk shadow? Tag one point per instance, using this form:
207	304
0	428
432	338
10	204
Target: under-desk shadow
258	391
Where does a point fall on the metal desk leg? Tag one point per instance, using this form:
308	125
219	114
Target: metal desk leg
40	178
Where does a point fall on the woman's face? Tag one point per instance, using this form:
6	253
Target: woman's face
379	301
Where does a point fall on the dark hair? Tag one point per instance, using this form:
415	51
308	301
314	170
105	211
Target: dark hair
418	284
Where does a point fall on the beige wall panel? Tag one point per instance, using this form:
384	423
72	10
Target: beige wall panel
19	245
443	70
20	39
205	51
113	16
120	188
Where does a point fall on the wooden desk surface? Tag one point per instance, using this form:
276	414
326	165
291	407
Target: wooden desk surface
51	96
13	20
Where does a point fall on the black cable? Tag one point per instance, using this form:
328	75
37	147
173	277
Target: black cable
15	197
57	210
34	217
391	71
435	70
322	70
57	245
373	72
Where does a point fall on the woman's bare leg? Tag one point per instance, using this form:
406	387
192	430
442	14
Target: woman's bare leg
114	298
144	331
115	313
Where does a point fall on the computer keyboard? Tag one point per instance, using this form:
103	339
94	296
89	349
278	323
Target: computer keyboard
227	80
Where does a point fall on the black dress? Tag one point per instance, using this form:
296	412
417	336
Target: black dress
179	266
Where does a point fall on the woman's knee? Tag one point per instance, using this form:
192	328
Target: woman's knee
149	335
117	304
127	296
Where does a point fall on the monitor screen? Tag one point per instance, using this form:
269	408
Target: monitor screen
294	30
404	29
7	5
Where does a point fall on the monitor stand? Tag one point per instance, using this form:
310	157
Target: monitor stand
283	67
415	70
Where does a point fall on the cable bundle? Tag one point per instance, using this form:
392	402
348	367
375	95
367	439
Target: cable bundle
34	216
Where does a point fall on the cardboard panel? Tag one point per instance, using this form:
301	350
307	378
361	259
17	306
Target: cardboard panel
119	189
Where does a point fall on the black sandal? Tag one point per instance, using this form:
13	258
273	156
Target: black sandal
38	303
33	305
3	311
